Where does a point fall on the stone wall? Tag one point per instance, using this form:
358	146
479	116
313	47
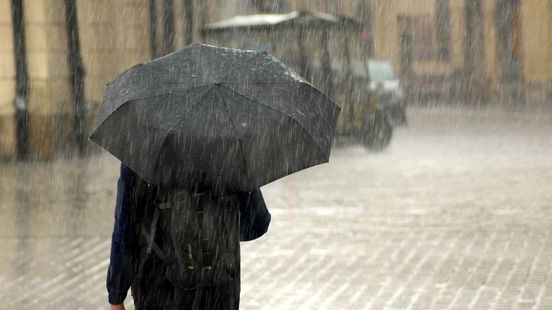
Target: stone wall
114	36
50	102
537	49
536	19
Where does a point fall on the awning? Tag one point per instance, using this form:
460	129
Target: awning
277	21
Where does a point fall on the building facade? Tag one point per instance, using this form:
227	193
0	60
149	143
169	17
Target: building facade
483	48
500	47
113	36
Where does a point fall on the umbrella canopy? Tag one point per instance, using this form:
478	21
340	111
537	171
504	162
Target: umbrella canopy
217	116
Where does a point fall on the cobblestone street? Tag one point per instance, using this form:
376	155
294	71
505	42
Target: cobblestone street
455	214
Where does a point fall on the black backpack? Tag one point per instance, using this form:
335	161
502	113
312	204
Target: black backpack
192	234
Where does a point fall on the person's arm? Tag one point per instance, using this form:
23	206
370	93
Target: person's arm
254	215
119	274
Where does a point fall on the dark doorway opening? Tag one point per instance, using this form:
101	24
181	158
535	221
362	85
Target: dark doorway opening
509	48
474	52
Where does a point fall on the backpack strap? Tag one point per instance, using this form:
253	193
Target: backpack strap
150	237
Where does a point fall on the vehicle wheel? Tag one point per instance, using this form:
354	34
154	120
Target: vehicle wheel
379	132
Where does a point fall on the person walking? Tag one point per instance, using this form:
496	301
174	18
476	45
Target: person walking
179	249
199	131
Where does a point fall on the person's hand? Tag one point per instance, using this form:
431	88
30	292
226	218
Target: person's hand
118	307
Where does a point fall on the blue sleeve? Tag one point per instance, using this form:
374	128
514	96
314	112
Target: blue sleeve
254	215
119	274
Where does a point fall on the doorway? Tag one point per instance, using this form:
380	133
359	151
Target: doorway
508	23
509	50
474	84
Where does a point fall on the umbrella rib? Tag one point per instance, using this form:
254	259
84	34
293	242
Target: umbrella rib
193	106
290	73
282	83
235	130
173	127
272	108
262	83
145	97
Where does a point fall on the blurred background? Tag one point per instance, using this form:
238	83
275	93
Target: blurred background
437	195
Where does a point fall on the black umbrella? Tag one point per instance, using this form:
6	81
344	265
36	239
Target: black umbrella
217	116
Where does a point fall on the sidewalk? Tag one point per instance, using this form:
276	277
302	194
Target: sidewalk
451	216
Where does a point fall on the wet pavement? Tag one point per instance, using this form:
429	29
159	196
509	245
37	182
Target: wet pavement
455	214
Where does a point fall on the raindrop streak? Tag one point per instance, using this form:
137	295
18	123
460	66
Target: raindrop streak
436	194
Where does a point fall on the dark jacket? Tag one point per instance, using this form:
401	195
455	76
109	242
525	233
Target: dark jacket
254	222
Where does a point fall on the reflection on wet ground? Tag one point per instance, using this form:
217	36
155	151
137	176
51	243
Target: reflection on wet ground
55	223
456	213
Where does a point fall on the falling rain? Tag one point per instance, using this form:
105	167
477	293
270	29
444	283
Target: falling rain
276	154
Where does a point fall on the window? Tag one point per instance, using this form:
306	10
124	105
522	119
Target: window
381	71
424	46
442	25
